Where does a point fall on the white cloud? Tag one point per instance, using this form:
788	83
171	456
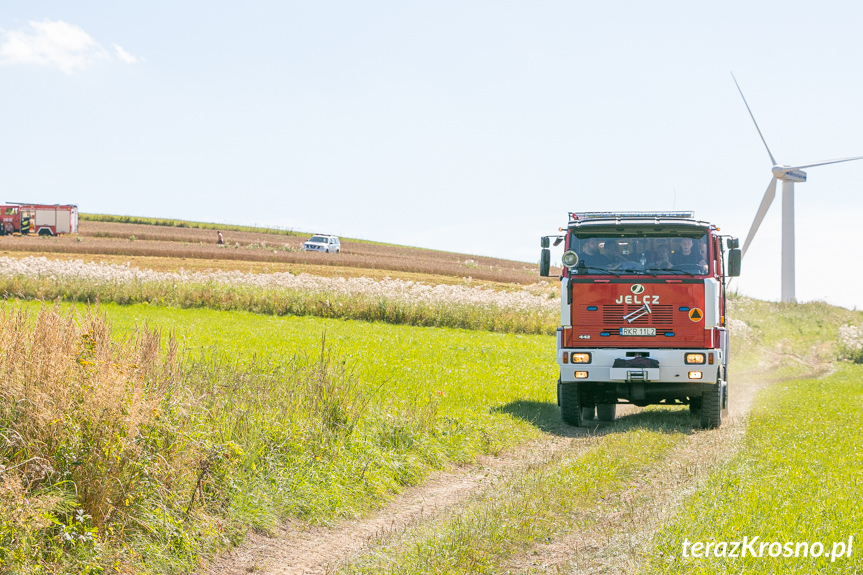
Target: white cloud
124	56
58	44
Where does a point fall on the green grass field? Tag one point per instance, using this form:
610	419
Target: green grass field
796	480
297	417
276	417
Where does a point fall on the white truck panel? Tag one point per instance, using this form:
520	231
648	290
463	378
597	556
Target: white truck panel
711	303
46	217
64	221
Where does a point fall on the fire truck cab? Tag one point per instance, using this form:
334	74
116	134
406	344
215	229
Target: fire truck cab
642	314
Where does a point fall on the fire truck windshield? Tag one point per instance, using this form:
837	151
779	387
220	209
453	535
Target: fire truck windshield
642	253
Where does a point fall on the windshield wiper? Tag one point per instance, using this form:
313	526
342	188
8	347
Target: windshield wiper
634	271
680	271
579	269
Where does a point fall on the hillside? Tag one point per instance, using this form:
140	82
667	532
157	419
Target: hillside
159	246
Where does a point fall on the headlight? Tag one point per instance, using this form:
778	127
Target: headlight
570	259
580	357
580	375
695	375
694	358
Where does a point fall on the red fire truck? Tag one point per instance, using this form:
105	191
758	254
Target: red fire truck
642	314
42	219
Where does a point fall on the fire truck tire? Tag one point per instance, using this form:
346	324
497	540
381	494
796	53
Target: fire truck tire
570	404
606	411
711	406
45	232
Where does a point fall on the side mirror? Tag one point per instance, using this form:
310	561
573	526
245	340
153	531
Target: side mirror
733	243
734	258
558	241
545	260
543	242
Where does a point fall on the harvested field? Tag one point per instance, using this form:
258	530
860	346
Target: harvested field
142	240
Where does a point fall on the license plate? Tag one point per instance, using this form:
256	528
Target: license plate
642	331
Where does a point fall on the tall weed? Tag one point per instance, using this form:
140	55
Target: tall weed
74	407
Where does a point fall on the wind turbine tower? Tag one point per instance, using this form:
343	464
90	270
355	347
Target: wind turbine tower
789	175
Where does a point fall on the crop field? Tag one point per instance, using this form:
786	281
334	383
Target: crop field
112	238
235	419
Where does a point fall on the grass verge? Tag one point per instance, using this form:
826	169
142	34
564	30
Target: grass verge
774	341
796	480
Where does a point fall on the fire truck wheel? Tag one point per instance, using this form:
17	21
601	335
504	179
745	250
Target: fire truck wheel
711	406
570	404
606	411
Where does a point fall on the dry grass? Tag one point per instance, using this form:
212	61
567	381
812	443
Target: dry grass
171	264
69	389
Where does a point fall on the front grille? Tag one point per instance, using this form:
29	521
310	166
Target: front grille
613	314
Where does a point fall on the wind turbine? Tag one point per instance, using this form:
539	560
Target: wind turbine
788	175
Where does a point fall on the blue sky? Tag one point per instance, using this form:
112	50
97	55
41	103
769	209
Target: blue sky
464	126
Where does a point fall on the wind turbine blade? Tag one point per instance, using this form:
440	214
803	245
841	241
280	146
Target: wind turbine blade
825	163
753	119
762	211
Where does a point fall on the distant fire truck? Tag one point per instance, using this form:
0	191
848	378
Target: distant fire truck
642	314
42	219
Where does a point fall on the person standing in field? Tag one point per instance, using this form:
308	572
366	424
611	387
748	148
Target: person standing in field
221	240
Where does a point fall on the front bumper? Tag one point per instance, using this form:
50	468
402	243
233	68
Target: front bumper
672	367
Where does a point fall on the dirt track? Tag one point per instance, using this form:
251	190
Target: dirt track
612	546
301	550
616	543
